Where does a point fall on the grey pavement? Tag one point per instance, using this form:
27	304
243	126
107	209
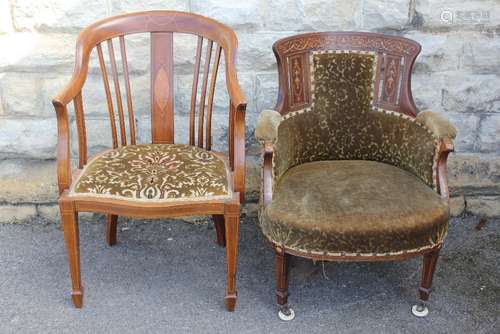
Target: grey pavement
169	277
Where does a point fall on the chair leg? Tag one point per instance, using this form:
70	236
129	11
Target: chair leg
220	229
111	224
232	221
428	268
285	312
71	235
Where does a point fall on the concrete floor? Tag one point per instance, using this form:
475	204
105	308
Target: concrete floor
169	277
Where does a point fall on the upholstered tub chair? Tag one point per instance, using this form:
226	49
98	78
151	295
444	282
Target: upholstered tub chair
351	171
162	178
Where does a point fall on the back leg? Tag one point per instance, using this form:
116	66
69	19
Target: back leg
285	312
111	223
220	229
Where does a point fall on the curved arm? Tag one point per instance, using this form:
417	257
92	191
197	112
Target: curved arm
439	126
233	86
63	147
267	173
237	148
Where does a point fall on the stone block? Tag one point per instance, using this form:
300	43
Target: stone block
57	15
16	213
28	138
489	134
383	15
125	6
320	15
241	15
35	52
28	181
474	174
484	206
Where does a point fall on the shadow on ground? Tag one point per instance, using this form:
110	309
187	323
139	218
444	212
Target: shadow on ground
169	276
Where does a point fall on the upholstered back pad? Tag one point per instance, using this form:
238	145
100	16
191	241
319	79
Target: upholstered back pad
341	123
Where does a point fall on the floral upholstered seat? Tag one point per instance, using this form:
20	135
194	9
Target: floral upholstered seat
155	172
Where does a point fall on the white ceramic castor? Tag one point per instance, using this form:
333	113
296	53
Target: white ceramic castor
286	313
420	310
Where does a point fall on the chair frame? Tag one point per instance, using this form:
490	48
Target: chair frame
294	94
161	25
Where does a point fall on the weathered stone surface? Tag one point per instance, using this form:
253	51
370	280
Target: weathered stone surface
456	74
16	213
35	52
21	94
383	14
237	14
474	174
331	15
266	91
28	138
455	14
457	91
49	212
57	15
28	181
6	25
467	126
124	6
486	206
489	134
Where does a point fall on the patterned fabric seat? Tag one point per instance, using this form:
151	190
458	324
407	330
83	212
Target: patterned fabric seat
155	172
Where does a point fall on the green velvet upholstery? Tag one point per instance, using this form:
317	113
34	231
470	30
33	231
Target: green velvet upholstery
342	124
349	177
266	128
439	126
354	206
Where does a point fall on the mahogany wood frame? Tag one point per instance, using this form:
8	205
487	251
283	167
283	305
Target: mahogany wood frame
161	25
392	50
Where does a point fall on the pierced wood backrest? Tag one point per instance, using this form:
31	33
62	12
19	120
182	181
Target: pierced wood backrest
392	86
216	38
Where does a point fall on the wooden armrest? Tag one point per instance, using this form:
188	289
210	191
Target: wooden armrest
267	173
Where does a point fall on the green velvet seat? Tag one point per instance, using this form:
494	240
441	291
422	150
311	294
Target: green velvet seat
354	207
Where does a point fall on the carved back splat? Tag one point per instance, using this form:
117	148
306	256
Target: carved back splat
392	86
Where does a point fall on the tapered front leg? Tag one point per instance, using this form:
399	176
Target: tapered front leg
69	218
232	222
111	224
220	230
428	269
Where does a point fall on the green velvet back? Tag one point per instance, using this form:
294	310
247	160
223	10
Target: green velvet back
341	123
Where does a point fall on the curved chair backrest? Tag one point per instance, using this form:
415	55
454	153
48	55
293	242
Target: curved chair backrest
213	36
392	86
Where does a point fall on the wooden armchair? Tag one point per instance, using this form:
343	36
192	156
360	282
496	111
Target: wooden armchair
350	171
160	179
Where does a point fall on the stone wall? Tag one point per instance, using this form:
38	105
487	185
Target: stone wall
457	74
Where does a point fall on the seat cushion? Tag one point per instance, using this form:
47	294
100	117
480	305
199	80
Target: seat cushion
155	172
354	207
